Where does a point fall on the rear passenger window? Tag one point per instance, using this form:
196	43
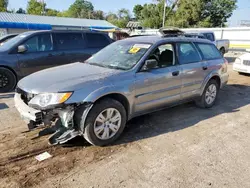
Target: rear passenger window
69	41
209	51
187	53
96	40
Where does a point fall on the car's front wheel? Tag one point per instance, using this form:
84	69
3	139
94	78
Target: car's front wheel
105	122
7	80
209	95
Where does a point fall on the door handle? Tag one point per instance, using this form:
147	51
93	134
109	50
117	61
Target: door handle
204	67
176	73
50	55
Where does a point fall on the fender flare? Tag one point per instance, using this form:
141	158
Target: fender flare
207	79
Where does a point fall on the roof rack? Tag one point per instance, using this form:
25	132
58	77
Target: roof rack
188	35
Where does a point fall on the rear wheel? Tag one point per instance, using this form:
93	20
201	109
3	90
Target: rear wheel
104	123
7	80
222	51
209	95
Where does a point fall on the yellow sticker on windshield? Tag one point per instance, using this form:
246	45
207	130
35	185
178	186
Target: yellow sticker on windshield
134	50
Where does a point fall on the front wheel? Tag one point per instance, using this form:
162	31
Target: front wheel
105	122
209	95
7	80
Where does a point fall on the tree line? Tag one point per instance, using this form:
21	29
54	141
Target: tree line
179	13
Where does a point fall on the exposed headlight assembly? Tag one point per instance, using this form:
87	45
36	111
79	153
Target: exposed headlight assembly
49	99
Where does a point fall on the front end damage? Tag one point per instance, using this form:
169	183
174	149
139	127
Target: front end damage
58	121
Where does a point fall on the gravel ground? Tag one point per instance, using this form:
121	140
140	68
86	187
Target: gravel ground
182	146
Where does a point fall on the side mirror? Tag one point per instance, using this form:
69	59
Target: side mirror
22	49
150	64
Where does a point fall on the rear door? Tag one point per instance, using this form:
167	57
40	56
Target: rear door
193	69
38	56
96	42
70	47
211	55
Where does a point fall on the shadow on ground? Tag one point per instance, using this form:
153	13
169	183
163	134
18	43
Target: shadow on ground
230	99
6	96
3	106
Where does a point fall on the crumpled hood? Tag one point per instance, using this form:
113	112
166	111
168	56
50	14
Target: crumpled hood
69	77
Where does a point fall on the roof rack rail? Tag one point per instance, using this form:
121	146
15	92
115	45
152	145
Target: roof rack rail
188	35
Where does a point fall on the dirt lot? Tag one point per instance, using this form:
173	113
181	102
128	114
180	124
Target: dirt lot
179	147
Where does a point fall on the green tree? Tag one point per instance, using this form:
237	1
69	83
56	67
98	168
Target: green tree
152	15
51	12
3	5
21	11
137	11
216	12
35	7
80	9
98	14
120	19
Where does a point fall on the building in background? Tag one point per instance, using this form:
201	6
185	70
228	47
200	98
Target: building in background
18	23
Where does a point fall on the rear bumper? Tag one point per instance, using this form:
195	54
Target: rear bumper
26	112
224	79
241	68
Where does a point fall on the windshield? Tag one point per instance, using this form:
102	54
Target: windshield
13	41
121	55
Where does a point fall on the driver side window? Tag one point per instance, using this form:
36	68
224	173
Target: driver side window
39	43
164	55
187	53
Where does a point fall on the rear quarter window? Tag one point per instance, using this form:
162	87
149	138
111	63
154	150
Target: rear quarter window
96	40
208	51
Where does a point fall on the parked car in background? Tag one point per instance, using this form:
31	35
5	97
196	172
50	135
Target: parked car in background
222	45
5	38
242	64
33	51
128	78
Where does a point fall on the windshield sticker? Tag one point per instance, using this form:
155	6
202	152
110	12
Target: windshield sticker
134	50
142	46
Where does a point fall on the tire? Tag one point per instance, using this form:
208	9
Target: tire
102	107
202	102
7	80
222	51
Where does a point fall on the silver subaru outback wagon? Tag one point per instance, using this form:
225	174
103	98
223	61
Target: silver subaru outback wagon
126	79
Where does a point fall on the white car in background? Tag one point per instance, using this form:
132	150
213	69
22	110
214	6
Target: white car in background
242	63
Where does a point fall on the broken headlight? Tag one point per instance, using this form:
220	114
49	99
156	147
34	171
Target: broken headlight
47	99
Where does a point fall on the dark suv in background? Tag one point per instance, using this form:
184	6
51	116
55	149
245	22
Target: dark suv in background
33	51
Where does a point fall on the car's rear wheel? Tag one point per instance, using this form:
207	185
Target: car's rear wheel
7	80
104	123
222	51
209	96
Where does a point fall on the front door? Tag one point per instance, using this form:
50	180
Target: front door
38	55
160	86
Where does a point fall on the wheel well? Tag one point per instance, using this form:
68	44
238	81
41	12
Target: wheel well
119	97
217	79
10	70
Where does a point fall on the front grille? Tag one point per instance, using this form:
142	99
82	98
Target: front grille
246	62
26	97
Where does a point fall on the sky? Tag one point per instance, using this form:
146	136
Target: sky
242	12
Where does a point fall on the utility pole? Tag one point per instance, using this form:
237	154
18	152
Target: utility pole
164	13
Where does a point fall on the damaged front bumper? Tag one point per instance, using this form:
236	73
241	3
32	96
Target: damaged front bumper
65	131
